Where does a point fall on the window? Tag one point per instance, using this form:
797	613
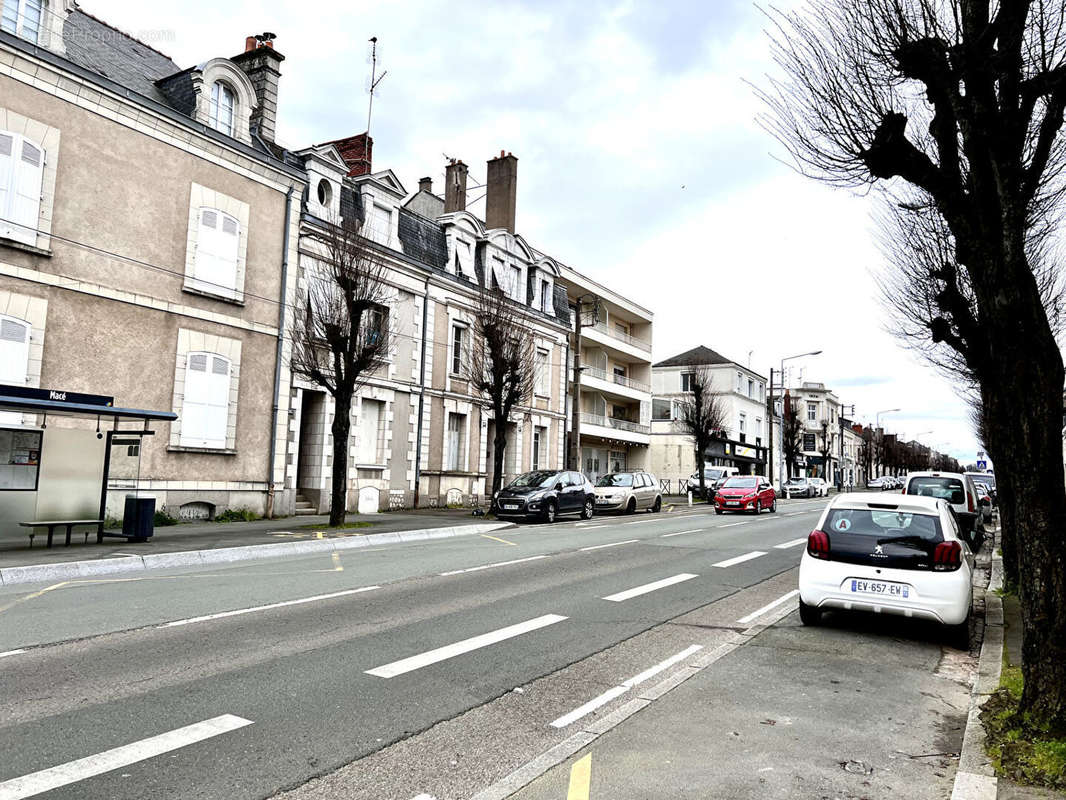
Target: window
688	379
370	437
622	328
14	359
758	427
740	383
619	412
21	173
540	440
222	108
751	388
812	412
742	423
809	444
616	460
543	373
516	283
22	18
620	375
546	297
661	409
457	349
325	193
456	429
762	397
217	252
380	223
205	407
375	324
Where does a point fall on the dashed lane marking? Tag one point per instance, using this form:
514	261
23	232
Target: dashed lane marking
768	607
498	539
253	609
7	653
580	779
65	774
729	562
490	566
791	543
412	663
649	587
733	524
680	533
612	544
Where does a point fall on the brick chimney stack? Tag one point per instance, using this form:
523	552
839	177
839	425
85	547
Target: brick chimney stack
425	185
501	190
261	63
455	186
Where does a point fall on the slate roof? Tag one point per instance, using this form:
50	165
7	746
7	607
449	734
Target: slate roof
696	357
107	51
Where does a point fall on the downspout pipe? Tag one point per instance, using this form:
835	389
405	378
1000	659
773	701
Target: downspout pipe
421	393
280	353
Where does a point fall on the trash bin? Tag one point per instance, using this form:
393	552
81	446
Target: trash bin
138	521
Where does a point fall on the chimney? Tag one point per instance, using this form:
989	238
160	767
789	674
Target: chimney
455	186
357	152
425	185
502	185
261	63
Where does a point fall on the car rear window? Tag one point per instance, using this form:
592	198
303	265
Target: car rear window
883	524
949	489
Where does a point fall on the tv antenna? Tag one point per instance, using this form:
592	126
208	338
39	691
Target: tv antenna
375	79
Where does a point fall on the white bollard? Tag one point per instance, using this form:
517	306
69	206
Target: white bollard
690	498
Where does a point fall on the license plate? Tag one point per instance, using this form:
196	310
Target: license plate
880	588
509	506
732	503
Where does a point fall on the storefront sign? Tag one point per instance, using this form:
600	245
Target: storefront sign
745	452
55	395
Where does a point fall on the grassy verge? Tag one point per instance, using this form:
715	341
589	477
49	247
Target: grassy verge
345	526
1019	750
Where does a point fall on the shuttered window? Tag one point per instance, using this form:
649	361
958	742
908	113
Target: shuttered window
205	408
14	359
456	426
21	173
217	253
368	446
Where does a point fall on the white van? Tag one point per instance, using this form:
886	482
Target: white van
713	477
960	493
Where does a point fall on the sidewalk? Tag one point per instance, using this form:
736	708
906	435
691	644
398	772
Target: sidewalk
212	535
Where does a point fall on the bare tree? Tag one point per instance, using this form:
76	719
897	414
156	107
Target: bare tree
791	436
953	108
826	450
341	334
501	365
703	417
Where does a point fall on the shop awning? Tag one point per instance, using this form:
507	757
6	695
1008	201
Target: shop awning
48	401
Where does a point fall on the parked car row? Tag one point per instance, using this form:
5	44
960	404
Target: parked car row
806	487
548	494
885	483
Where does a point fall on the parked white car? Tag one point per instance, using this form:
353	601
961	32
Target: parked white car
960	493
820	486
903	555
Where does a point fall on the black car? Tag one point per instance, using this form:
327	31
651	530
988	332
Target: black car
545	494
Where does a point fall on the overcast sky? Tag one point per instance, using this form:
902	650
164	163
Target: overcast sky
640	163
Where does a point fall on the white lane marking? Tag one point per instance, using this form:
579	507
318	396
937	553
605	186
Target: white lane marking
729	562
612	544
795	513
490	566
589	707
7	653
239	611
649	587
679	533
424	796
665	664
641	521
465	646
589	527
791	543
625	686
47	779
756	614
731	524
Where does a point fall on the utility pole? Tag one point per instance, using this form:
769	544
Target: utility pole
842	462
770	409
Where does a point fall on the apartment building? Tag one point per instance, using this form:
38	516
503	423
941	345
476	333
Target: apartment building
743	441
613	390
144	218
818	410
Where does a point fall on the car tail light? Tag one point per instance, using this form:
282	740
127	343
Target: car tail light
947	556
818	544
969	501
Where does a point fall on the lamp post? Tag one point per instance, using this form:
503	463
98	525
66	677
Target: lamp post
877	429
918	439
781	460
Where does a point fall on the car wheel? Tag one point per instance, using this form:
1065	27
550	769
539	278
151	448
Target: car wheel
658	506
632	507
549	511
586	512
718	511
758	507
773	506
810	615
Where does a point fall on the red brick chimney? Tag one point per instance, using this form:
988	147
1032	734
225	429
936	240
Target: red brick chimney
262	64
357	152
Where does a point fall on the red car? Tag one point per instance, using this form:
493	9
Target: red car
745	493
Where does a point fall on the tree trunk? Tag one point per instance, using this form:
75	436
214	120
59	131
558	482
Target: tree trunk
700	461
341	427
499	446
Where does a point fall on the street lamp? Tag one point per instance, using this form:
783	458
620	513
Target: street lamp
781	458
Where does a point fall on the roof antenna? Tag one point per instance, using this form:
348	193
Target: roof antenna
375	79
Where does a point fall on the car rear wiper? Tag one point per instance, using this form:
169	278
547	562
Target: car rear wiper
915	540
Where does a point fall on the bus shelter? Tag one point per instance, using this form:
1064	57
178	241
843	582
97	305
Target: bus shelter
60	451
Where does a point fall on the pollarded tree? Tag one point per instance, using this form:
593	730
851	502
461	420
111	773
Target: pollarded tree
791	436
826	450
341	334
954	108
702	418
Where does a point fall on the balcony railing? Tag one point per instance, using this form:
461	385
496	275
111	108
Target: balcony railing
625	337
618	424
621	380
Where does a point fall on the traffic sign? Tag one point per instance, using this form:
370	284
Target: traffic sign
982	465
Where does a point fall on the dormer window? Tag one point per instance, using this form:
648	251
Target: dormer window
325	193
222	105
22	18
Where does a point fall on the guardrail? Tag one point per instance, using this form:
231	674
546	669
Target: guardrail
618	424
625	337
621	380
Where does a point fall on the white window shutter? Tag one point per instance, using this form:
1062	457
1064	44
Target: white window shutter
217	250
26	206
14	351
7	177
205	408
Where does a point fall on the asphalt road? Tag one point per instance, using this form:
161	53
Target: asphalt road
153	687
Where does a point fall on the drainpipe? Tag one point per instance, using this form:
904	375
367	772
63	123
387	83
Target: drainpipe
566	393
421	393
278	357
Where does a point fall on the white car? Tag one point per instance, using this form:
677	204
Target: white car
904	556
820	486
960	492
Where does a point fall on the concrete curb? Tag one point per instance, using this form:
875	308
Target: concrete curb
975	778
69	570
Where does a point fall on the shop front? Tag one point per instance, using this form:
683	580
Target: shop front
748	459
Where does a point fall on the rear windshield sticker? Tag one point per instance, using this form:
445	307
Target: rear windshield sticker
844	525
